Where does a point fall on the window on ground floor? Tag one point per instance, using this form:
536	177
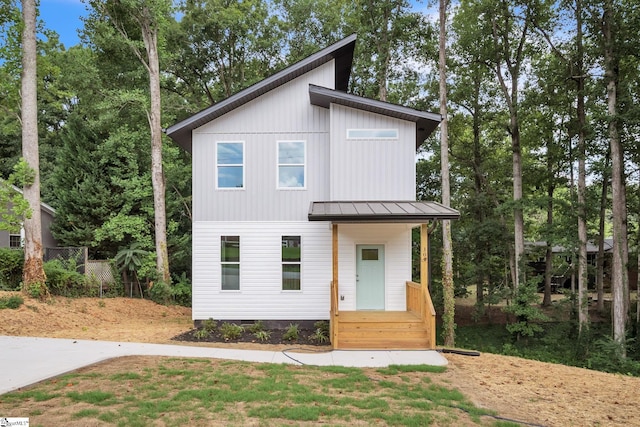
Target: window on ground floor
291	258
230	263
15	241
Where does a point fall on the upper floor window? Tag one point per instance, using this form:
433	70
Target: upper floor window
291	164
291	257
230	263
230	164
372	133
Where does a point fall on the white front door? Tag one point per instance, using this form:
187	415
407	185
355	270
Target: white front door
369	277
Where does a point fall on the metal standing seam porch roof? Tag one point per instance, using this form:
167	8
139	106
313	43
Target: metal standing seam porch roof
380	211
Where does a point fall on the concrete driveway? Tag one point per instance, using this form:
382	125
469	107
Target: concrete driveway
27	360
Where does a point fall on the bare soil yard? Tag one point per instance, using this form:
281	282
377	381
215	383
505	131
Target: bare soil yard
529	391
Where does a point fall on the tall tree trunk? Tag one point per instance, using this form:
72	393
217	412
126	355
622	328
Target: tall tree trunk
617	186
150	37
480	246
518	217
583	306
548	258
33	273
447	256
600	258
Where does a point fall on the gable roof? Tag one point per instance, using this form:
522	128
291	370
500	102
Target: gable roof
341	51
43	206
425	122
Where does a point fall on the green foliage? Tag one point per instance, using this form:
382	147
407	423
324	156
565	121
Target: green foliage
526	310
607	355
319	335
324	325
292	332
64	280
262	335
11	262
202	334
36	290
256	326
12	301
210	325
161	293
13	206
231	331
181	289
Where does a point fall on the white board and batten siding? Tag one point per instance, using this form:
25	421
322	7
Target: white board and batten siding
396	239
284	114
261	296
371	169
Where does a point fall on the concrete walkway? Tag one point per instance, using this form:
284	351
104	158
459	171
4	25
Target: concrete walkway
26	360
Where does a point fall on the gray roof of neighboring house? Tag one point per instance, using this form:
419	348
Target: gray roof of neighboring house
341	51
425	122
380	211
592	247
43	206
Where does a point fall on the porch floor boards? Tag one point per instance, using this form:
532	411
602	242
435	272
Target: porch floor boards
381	330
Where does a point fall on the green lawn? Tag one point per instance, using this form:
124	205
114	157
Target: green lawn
146	391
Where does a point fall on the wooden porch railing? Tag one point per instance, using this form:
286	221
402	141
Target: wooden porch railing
334	315
419	302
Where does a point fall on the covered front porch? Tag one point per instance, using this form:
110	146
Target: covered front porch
408	325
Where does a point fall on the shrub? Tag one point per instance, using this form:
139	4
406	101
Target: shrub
319	335
210	325
528	314
201	334
231	331
324	325
11	262
262	335
292	332
160	293
182	290
256	327
64	280
13	302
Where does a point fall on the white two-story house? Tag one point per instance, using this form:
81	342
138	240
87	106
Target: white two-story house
304	203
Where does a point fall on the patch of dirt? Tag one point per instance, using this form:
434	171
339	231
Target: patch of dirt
533	392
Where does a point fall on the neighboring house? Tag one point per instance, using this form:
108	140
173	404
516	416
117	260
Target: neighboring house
304	204
14	239
564	273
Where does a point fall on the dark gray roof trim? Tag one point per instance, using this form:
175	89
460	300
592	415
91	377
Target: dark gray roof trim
425	122
341	51
43	206
380	211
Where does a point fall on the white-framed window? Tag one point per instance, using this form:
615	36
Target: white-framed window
372	133
291	263
15	241
230	164
230	263
292	158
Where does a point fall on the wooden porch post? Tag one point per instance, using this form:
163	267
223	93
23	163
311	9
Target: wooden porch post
426	305
334	287
424	256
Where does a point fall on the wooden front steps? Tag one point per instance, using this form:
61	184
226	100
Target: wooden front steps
381	330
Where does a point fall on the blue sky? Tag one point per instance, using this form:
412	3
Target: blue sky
63	16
